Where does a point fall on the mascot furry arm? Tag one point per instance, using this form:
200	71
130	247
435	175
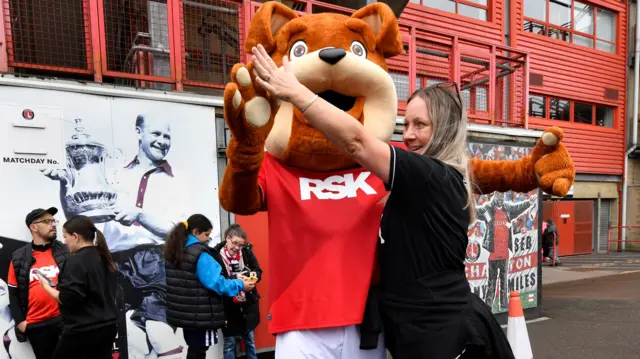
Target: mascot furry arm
252	117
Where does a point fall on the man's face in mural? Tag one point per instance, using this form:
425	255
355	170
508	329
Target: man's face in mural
155	139
498	199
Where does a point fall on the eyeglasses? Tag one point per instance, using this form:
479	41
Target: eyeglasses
236	244
448	85
47	221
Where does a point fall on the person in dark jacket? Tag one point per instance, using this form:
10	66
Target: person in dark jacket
86	293
196	283
242	311
550	242
36	314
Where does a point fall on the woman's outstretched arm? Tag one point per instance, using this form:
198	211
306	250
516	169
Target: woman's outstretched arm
339	127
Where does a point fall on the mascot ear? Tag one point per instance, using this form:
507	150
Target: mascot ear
384	24
270	18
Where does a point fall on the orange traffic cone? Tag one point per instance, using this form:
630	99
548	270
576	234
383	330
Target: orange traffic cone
517	329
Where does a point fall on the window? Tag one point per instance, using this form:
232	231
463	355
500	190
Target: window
572	21
401	82
582	113
604	116
481	102
551	108
559	109
537	106
476	9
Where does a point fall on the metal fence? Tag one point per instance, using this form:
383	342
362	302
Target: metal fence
170	44
491	78
48	35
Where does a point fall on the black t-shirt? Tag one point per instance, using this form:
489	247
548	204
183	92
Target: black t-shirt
425	298
424	224
87	292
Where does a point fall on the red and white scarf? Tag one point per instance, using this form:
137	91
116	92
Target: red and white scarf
231	262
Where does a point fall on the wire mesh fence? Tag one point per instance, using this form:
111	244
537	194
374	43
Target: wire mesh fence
136	42
49	35
211	40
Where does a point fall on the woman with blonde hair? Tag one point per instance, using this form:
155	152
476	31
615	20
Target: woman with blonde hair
427	307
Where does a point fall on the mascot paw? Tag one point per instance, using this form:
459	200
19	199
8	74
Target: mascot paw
256	108
247	110
245	99
553	166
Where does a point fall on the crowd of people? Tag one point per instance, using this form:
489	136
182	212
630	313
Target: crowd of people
62	294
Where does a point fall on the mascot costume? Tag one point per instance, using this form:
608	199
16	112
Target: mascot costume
323	209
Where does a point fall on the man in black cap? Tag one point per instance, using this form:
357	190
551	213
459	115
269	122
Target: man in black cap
37	314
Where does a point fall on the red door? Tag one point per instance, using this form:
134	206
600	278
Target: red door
583	232
574	220
562	214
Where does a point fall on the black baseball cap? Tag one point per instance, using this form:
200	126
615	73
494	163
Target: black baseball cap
38	212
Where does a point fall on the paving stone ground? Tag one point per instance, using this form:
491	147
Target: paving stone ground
592	318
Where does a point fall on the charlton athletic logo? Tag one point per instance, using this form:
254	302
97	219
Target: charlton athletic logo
473	251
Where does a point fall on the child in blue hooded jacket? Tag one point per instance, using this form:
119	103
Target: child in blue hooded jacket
196	282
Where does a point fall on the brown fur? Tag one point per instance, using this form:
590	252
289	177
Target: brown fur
277	27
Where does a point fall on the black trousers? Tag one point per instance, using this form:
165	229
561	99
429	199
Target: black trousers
498	273
93	344
474	352
199	342
44	340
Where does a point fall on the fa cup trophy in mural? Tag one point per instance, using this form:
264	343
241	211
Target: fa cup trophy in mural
85	189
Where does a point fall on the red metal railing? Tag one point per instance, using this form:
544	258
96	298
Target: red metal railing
619	241
135	42
491	77
170	44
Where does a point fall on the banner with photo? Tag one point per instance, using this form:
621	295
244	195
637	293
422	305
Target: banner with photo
137	167
502	255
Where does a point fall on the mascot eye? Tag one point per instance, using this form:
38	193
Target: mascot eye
358	49
298	50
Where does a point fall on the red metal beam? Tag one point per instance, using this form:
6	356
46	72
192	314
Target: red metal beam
176	41
4	59
492	85
95	40
412	60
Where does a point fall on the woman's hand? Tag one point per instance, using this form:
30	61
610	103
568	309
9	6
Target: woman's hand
248	285
54	293
282	84
43	282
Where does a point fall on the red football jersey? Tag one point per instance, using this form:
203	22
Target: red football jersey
41	305
323	232
501	236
